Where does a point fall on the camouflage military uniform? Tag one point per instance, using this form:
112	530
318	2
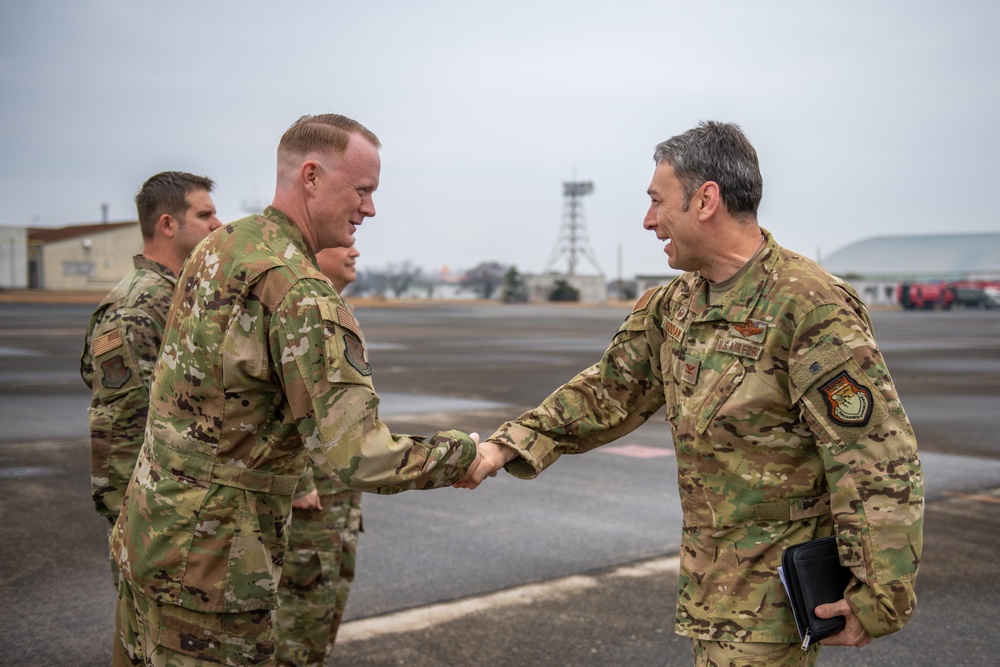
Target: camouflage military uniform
318	571
786	427
261	367
122	342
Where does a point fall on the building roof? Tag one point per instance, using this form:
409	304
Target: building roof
48	234
934	255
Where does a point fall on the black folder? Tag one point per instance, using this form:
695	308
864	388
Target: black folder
813	575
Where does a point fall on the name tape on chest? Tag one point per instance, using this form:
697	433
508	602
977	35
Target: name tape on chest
673	330
740	348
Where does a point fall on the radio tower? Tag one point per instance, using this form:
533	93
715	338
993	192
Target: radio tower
573	235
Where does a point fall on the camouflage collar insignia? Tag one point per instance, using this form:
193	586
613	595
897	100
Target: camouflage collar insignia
106	343
691	367
847	402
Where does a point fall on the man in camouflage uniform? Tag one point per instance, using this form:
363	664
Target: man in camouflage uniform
785	421
322	538
175	211
262	367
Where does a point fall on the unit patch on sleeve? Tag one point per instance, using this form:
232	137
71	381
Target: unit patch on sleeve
116	373
354	352
847	402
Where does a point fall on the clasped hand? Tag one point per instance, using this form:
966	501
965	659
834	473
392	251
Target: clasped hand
490	457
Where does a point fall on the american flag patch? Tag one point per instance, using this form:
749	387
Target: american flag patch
347	321
107	342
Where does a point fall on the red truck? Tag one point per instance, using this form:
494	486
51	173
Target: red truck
943	295
925	296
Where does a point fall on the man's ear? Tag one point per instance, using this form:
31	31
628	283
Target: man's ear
707	200
167	225
309	174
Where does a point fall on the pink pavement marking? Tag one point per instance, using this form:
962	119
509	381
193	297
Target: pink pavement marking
637	451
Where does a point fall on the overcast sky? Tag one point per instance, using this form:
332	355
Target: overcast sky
870	118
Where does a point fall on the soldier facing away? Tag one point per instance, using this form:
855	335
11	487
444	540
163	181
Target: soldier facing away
175	211
785	421
262	367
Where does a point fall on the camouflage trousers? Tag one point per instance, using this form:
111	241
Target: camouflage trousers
316	579
752	654
152	634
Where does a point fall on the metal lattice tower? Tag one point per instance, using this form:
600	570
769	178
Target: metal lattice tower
572	242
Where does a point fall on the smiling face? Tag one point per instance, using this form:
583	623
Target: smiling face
672	217
342	194
339	265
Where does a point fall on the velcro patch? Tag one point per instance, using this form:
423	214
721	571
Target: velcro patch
691	367
740	348
644	299
672	330
354	352
751	330
106	343
847	402
347	321
116	373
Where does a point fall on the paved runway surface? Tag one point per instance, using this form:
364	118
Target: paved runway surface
574	568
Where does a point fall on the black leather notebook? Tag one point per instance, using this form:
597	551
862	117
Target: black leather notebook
813	575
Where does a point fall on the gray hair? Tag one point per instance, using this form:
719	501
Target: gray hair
717	152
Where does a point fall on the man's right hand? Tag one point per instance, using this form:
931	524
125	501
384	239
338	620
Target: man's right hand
493	456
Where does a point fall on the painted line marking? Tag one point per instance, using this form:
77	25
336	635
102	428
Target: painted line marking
422	618
636	451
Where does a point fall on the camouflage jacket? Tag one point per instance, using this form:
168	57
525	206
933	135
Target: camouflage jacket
261	368
786	427
120	349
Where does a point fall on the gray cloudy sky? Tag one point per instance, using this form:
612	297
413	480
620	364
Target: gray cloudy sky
870	118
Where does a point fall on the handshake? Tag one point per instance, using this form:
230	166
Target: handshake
490	457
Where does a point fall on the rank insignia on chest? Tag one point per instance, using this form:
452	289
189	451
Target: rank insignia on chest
848	403
354	352
115	372
691	367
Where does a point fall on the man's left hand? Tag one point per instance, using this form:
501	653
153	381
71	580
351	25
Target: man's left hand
853	634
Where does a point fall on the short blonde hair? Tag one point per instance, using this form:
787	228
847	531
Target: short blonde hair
323	132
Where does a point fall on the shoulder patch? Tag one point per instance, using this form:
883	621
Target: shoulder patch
848	403
644	299
347	321
354	352
116	373
106	343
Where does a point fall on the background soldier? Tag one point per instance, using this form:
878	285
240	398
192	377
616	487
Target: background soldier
762	360
322	538
176	211
262	366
